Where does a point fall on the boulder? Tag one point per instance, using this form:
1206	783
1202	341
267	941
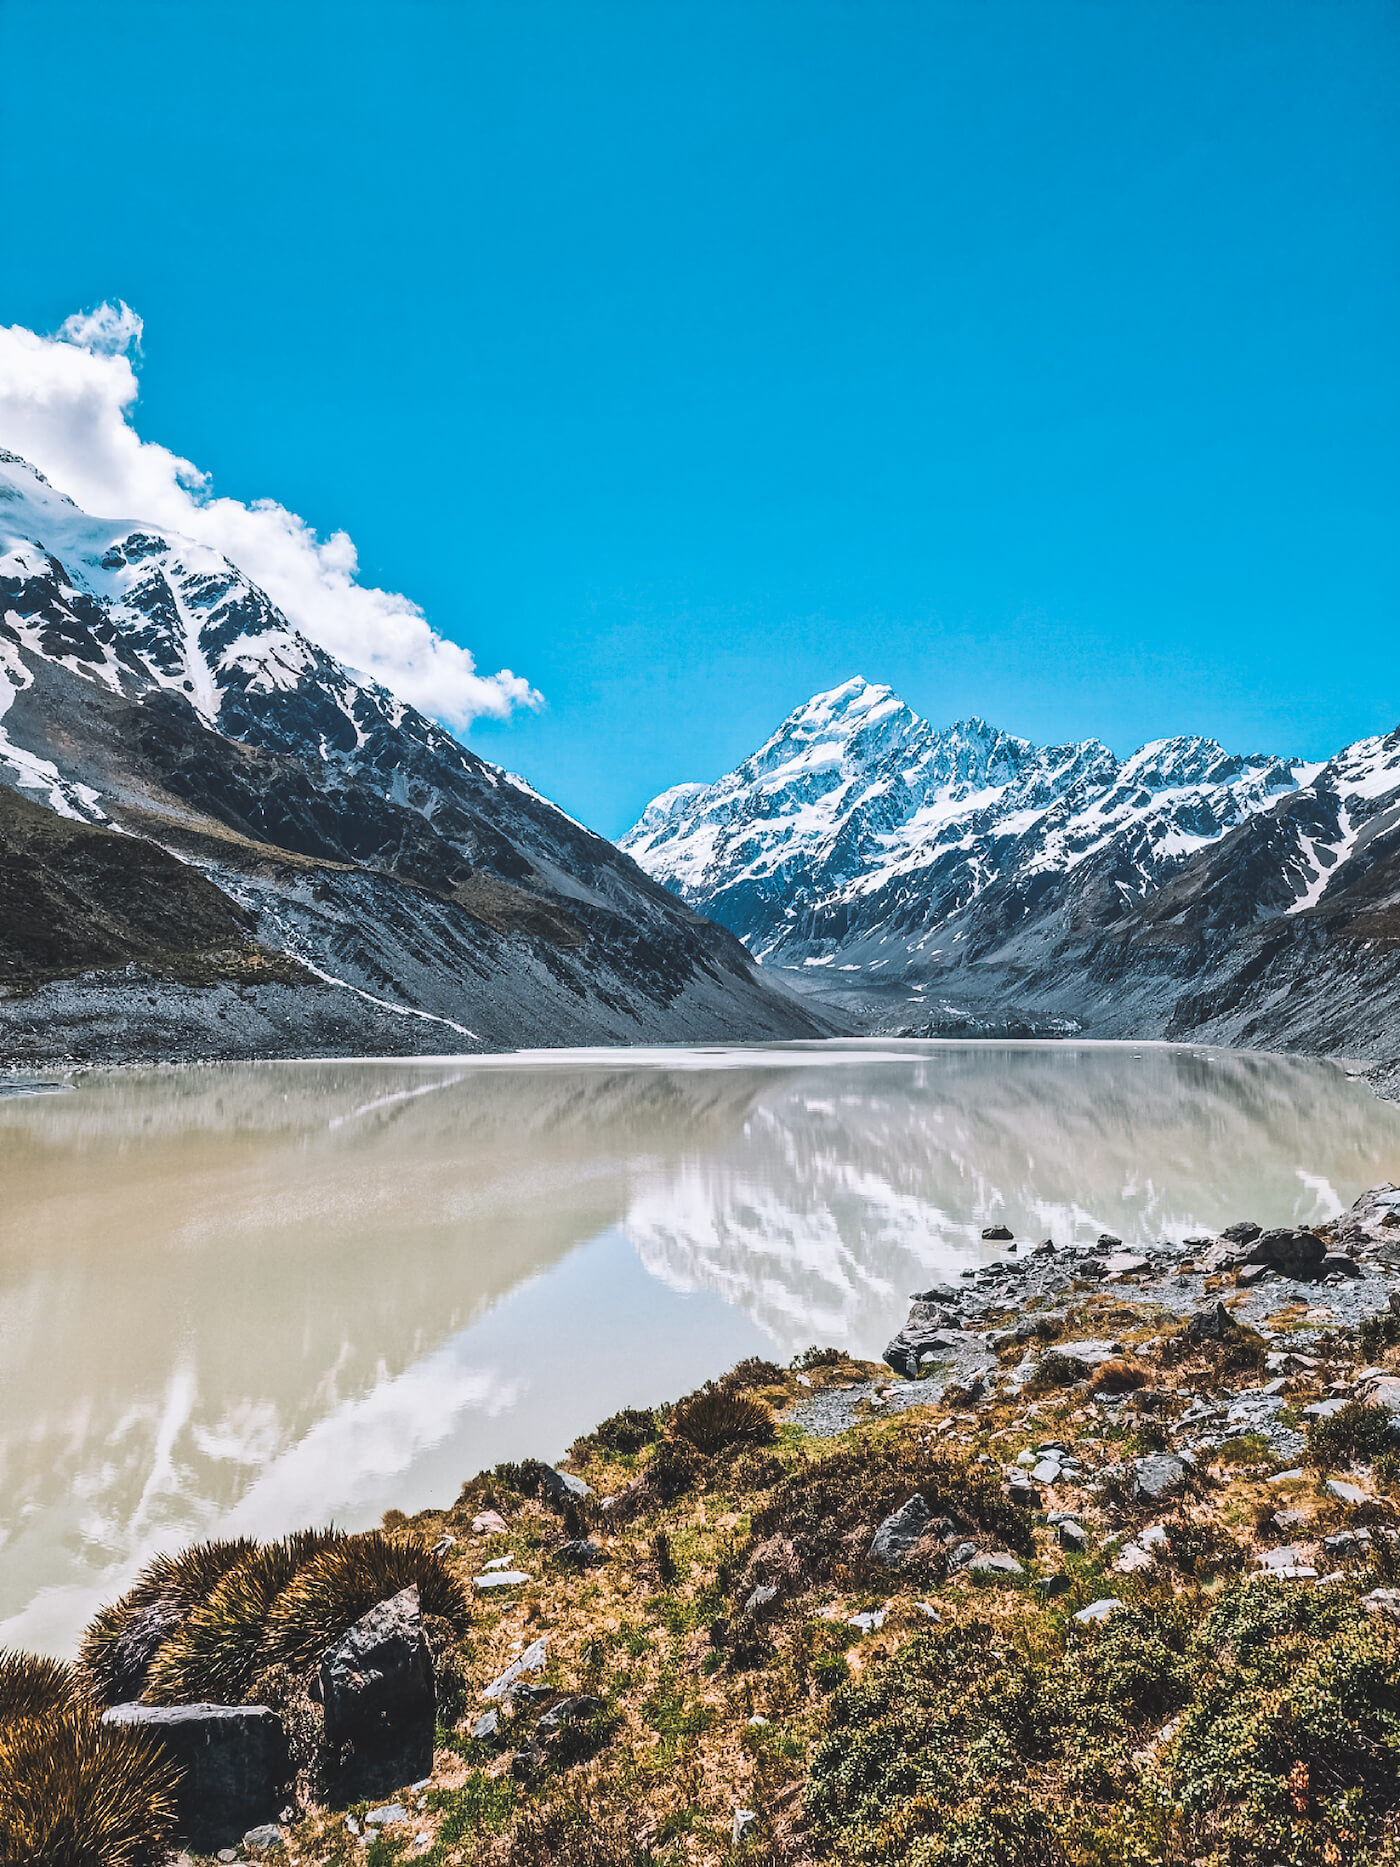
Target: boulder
232	1760
1073	1536
1000	1234
900	1531
1159	1475
1211	1325
1337	1263
995	1562
1293	1254
378	1693
1244	1232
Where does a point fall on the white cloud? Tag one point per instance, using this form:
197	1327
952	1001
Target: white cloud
65	403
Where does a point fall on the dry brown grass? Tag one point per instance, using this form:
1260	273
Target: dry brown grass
76	1793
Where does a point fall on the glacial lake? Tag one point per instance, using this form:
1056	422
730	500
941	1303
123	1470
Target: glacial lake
248	1297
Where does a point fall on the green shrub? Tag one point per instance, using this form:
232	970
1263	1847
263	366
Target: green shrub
717	1417
814	1357
974	1744
334	1589
1358	1431
625	1432
753	1372
1378	1333
1053	1371
77	1793
218	1649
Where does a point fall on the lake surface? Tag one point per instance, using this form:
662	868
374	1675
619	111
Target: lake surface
249	1297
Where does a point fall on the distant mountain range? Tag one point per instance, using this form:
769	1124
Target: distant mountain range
216	840
941	880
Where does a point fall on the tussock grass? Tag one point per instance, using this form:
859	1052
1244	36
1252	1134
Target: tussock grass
219	1649
330	1593
31	1687
76	1793
716	1417
122	1640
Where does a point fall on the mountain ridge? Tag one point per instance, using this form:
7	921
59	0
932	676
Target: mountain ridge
964	880
425	898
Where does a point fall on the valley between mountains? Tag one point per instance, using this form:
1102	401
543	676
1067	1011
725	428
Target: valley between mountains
217	841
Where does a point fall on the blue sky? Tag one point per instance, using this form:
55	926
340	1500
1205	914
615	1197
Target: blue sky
1038	359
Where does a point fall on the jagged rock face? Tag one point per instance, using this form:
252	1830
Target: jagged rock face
860	825
148	686
964	882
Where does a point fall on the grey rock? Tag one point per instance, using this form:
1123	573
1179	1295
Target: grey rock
1347	1493
1073	1536
744	1820
900	1531
581	1554
379	1697
1160	1475
501	1578
1051	1585
761	1597
995	1562
267	1835
1295	1254
1383	1601
386	1815
487	1725
1047	1472
1098	1610
575	1710
232	1759
561	1488
1337	1263
1244	1232
1212	1325
1000	1233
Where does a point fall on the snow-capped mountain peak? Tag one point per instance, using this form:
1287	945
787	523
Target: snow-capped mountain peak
858	825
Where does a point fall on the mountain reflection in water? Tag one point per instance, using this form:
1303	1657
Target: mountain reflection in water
251	1296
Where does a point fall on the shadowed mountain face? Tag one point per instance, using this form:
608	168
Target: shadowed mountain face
153	697
966	881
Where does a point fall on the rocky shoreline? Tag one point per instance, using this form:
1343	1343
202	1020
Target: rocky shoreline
1104	1565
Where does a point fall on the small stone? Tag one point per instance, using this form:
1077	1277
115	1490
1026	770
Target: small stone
1159	1475
1047	1472
1338	1264
503	1578
1324	1409
995	1562
1098	1610
1109	1241
532	1660
443	1544
1348	1493
758	1722
760	1598
489	1523
1250	1274
1285	1558
561	1488
929	1612
1025	1458
386	1816
870	1622
744	1820
266	1835
573	1710
900	1531
998	1233
486	1725
1383	1601
1059	1584
226	1855
1073	1536
1289	1477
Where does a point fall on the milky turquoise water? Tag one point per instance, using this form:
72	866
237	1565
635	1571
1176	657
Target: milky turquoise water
246	1297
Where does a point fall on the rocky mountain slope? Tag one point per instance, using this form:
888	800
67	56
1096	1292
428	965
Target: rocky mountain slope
963	880
242	847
